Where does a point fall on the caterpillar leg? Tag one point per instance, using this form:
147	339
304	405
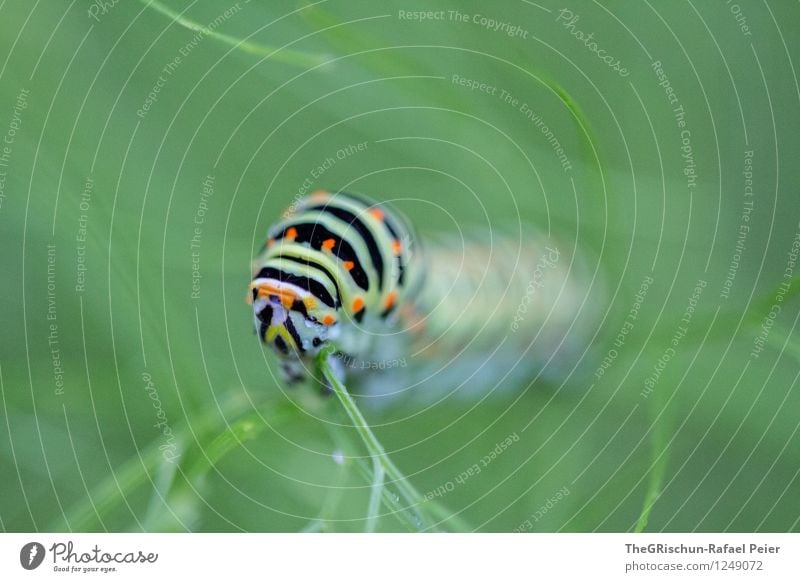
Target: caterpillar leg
293	371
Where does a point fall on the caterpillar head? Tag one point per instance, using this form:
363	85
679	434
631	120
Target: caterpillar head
290	319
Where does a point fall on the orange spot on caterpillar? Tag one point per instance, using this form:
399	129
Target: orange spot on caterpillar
391	298
328	320
287	296
310	303
327	244
358	304
348	265
270	243
397	247
291	234
376	213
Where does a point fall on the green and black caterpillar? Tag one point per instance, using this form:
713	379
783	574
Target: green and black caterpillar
340	268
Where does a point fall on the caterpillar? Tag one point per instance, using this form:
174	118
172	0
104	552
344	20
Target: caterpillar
341	268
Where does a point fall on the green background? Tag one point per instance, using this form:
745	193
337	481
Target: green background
713	448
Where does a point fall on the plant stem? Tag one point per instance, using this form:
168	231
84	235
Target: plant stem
375	495
660	457
293	57
379	456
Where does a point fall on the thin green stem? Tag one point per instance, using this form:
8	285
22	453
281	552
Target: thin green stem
289	56
660	460
375	496
422	510
407	491
390	500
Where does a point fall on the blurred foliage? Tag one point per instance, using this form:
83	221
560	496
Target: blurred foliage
714	447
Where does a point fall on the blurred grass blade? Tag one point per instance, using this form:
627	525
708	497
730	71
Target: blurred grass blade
288	56
659	458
